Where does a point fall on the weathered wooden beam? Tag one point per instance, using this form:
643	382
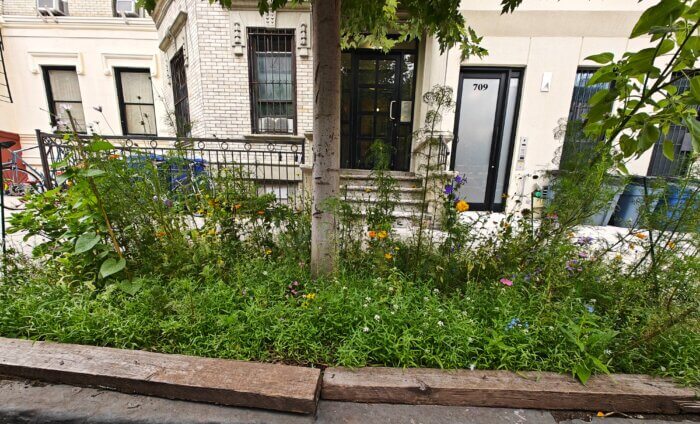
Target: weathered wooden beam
540	390
221	381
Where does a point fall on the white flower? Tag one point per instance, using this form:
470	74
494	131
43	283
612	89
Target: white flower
393	313
592	301
436	291
365	330
440	310
441	324
377	317
365	305
550	328
472	367
391	289
395	306
465	313
663	368
368	299
607	352
344	288
425	298
470	339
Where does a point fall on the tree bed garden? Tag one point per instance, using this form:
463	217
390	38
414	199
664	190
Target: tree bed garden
215	267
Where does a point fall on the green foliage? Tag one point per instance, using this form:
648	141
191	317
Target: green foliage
647	103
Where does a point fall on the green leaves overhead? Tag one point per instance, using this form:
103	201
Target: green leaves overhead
662	15
601	58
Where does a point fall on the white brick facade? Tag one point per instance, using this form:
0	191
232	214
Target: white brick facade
217	73
84	8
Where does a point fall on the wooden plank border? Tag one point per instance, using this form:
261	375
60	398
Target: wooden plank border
539	390
226	382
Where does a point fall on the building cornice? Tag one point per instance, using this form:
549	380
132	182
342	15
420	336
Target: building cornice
77	23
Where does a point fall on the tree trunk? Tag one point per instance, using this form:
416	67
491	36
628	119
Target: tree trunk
326	137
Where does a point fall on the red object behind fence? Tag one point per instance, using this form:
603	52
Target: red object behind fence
6	156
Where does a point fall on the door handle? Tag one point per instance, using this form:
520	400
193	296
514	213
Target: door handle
391	110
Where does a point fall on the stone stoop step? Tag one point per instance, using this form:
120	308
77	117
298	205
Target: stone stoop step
220	381
534	390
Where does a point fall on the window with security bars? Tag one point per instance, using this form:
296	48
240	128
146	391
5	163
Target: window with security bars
272	80
181	101
136	105
65	102
576	143
660	165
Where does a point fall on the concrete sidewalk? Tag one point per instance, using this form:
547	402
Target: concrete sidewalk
32	402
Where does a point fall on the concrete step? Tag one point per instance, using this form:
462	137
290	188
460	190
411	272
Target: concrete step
370	192
409	180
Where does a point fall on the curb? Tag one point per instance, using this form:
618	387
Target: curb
298	389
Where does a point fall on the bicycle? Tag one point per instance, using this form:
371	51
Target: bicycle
18	177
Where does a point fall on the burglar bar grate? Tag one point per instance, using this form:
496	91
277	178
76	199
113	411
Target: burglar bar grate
272	70
660	166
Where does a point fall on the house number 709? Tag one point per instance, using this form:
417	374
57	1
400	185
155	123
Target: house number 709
480	87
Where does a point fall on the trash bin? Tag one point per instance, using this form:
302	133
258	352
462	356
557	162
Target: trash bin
632	203
675	206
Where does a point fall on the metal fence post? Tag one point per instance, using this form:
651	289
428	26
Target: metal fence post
46	168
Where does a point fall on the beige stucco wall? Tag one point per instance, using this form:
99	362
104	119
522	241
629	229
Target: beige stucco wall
94	46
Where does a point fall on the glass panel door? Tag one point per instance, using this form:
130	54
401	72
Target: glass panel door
487	109
376	104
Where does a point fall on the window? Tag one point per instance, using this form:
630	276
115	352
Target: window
575	142
180	99
272	80
136	106
63	93
52	7
660	166
127	8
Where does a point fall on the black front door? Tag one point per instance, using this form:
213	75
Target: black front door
377	104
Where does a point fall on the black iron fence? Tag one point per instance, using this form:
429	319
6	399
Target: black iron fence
274	166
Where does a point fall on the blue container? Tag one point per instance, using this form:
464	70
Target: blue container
181	170
631	204
676	204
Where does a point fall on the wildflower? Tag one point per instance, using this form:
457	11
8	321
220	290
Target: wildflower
365	330
368	190
573	265
425	298
372	234
640	236
506	282
552	216
590	308
160	234
462	206
212	232
388	256
168	203
436	291
459	179
382	235
608	352
600	414
237	206
584	241
618	257
268	251
472	367
261	212
671	245
368	299
440	324
583	255
377	318
310	296
295	283
515	322
470	339
113	157
449	189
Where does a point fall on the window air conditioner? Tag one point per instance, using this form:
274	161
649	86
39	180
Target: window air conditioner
52	7
127	8
277	125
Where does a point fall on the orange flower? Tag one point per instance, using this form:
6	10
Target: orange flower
671	245
382	234
113	157
640	236
372	234
261	212
462	206
160	234
237	206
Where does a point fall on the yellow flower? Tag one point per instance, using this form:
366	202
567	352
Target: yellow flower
671	245
382	234
618	257
600	414
212	232
160	234
268	251
368	190
310	296
237	206
388	256
372	234
462	206
640	236
200	211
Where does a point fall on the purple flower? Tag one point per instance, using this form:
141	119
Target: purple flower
449	189
590	308
573	265
583	255
458	179
584	241
168	203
